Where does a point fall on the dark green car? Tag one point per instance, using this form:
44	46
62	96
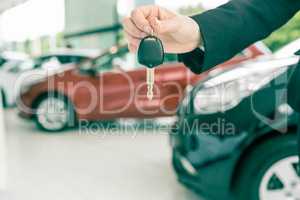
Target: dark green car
235	136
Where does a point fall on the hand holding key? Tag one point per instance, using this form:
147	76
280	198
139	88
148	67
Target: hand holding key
178	33
150	54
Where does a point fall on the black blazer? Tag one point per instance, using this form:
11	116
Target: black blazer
230	28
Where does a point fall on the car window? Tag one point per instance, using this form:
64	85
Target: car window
52	63
70	59
40	60
63	59
106	61
43	59
124	60
129	62
103	63
121	59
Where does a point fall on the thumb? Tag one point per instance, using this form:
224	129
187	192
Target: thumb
165	26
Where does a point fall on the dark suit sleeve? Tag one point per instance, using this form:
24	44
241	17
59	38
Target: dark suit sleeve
232	27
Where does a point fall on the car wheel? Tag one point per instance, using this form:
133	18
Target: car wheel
270	171
55	113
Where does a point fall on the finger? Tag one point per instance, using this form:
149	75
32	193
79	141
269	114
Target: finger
132	48
132	29
131	39
165	26
140	18
154	13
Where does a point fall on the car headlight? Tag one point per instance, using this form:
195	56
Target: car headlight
217	99
226	90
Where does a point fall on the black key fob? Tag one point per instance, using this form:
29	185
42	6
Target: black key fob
150	52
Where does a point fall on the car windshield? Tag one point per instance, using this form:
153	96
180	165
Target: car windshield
105	62
62	59
118	57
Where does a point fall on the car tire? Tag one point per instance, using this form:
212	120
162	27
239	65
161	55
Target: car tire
54	113
261	175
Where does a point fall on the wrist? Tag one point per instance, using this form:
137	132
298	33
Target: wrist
196	39
194	34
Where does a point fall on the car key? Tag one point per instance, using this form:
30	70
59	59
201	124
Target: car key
150	54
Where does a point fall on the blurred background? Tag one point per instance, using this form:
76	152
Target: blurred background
36	27
127	155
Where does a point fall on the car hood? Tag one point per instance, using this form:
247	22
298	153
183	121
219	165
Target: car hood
261	66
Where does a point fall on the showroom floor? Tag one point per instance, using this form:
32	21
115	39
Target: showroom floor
76	166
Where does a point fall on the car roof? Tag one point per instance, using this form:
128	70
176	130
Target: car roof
10	55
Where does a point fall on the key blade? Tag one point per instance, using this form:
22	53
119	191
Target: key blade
150	83
150	96
150	76
150	92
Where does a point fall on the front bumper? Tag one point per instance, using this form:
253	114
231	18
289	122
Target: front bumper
25	115
206	181
207	172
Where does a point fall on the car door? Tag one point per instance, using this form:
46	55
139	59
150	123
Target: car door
117	92
123	89
104	93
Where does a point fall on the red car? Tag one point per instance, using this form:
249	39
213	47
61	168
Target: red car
99	89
